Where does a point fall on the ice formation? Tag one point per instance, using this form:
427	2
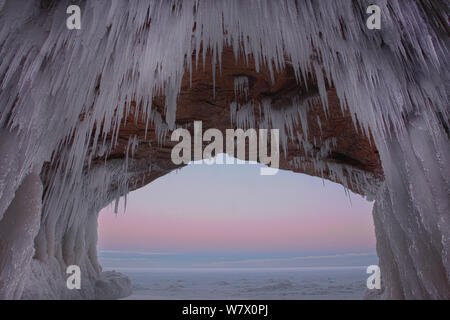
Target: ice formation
62	92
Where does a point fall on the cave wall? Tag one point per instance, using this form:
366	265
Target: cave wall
85	117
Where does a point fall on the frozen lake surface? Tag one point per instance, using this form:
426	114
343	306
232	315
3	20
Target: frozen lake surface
247	283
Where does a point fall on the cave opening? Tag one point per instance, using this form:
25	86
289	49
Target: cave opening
221	231
374	119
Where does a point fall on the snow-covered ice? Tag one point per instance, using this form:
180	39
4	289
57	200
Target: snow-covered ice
60	89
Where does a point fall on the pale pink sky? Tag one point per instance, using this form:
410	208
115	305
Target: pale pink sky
232	208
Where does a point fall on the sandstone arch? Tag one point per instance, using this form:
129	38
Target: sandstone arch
80	109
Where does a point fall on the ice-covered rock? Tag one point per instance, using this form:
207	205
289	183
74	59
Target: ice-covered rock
65	94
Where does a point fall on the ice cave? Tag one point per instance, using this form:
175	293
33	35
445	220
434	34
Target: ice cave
86	116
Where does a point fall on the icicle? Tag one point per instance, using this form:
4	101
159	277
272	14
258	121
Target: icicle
241	86
59	89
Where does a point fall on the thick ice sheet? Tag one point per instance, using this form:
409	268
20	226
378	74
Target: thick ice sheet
262	283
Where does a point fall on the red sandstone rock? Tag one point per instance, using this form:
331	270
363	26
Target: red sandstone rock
198	102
